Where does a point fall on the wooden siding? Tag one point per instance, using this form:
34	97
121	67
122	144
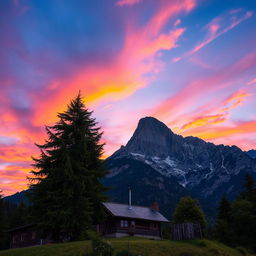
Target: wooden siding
134	227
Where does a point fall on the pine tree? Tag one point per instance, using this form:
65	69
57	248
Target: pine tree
66	191
20	216
249	192
224	210
189	210
2	221
223	222
244	215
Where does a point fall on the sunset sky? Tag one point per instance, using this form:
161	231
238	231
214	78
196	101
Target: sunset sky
189	63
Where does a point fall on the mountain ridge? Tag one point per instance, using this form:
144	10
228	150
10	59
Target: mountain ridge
203	169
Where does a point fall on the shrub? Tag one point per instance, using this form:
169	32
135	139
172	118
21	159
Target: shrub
215	251
201	243
100	246
166	232
242	250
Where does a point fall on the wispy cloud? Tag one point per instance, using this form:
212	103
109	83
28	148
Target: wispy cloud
218	112
217	27
253	81
196	90
127	2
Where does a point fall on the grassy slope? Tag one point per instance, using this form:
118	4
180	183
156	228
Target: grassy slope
143	246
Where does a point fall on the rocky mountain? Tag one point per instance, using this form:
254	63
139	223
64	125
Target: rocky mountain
252	153
161	164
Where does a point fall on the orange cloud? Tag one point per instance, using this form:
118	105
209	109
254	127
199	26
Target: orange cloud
133	68
224	131
212	116
237	98
203	120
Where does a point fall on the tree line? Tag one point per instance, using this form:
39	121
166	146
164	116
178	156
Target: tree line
235	223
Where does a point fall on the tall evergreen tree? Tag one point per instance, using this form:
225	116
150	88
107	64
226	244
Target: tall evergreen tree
224	210
2	221
244	215
236	225
189	210
249	192
66	191
223	222
20	216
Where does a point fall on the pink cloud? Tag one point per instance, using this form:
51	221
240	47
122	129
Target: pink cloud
197	89
127	2
177	23
133	68
216	28
213	113
253	81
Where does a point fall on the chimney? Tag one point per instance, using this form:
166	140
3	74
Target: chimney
130	198
155	207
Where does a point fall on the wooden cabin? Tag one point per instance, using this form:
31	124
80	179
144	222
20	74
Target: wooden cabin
126	220
24	236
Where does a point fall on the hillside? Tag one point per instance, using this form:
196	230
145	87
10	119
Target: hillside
144	247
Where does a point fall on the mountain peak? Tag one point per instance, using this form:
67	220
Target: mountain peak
151	137
152	123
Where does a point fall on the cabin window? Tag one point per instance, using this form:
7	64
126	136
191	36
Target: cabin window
124	223
21	237
133	223
154	225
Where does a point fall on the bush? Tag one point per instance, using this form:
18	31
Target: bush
242	250
100	246
166	232
201	243
215	251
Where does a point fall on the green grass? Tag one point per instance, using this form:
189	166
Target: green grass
144	247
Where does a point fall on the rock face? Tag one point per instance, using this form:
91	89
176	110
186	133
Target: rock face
202	169
251	153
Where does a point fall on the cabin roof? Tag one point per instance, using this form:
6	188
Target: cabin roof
20	228
135	212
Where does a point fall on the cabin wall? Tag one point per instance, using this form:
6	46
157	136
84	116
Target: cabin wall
24	238
120	227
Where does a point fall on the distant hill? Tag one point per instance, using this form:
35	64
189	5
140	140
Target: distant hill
18	197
